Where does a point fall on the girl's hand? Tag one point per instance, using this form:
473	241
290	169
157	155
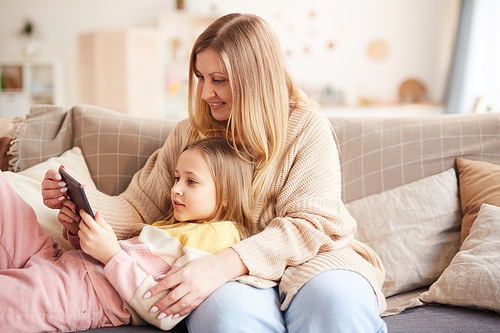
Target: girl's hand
97	238
193	282
73	225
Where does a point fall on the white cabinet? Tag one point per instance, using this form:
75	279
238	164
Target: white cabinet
140	71
120	70
24	83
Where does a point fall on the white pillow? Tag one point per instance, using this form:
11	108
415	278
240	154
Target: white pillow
472	278
415	230
27	184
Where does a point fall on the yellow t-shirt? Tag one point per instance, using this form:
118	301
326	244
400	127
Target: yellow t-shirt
210	237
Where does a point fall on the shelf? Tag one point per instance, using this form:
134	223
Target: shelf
399	110
36	81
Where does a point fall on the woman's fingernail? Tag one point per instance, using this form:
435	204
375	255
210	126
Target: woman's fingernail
161	277
175	316
61	198
147	295
61	184
153	309
162	315
58	177
64	189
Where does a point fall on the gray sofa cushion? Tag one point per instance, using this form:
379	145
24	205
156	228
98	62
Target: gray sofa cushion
440	318
432	318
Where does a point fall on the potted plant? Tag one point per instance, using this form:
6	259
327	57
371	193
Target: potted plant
29	34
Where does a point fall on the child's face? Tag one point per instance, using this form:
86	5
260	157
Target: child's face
194	195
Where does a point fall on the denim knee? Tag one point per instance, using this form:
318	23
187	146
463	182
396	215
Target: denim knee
335	301
237	307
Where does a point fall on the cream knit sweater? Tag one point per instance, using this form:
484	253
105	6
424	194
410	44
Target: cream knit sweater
302	227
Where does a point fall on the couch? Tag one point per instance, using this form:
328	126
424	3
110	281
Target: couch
425	191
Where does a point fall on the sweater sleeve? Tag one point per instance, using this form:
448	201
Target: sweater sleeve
147	198
124	274
305	214
132	283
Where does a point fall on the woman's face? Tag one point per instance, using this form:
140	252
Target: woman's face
213	84
194	196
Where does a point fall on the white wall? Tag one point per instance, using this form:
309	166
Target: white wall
419	34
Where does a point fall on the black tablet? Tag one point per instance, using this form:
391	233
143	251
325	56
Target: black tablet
76	193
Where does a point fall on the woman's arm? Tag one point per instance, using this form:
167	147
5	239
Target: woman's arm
147	198
192	283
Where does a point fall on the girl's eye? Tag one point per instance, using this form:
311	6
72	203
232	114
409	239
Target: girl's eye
218	81
191	181
176	179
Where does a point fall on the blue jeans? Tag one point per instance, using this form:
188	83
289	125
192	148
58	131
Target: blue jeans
333	301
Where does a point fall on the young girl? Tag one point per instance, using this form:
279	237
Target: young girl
44	288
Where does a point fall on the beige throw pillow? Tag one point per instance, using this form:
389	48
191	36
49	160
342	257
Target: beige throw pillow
415	230
27	184
472	278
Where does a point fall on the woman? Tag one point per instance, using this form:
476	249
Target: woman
302	270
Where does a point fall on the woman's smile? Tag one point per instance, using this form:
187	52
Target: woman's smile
213	84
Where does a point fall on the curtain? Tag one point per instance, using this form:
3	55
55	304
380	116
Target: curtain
474	79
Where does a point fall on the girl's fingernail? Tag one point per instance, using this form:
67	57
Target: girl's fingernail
175	316
61	184
58	177
61	198
147	295
161	277
153	309
162	315
64	189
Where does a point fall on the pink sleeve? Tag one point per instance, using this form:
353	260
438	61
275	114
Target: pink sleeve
74	240
124	274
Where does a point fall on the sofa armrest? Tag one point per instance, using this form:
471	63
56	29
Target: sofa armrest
9	132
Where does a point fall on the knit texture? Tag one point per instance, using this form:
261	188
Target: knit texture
302	226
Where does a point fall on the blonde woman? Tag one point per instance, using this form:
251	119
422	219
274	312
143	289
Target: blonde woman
302	270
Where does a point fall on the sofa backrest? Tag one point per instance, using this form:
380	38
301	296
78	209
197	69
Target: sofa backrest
115	145
379	154
376	154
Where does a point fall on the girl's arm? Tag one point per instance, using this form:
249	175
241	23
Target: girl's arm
97	238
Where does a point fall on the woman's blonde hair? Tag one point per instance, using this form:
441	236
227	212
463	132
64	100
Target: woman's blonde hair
232	176
263	91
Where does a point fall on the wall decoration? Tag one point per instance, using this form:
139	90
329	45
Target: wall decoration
378	50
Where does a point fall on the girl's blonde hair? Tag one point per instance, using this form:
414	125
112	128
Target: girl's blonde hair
263	91
232	176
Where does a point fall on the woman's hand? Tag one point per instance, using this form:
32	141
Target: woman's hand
55	196
193	282
54	190
97	238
